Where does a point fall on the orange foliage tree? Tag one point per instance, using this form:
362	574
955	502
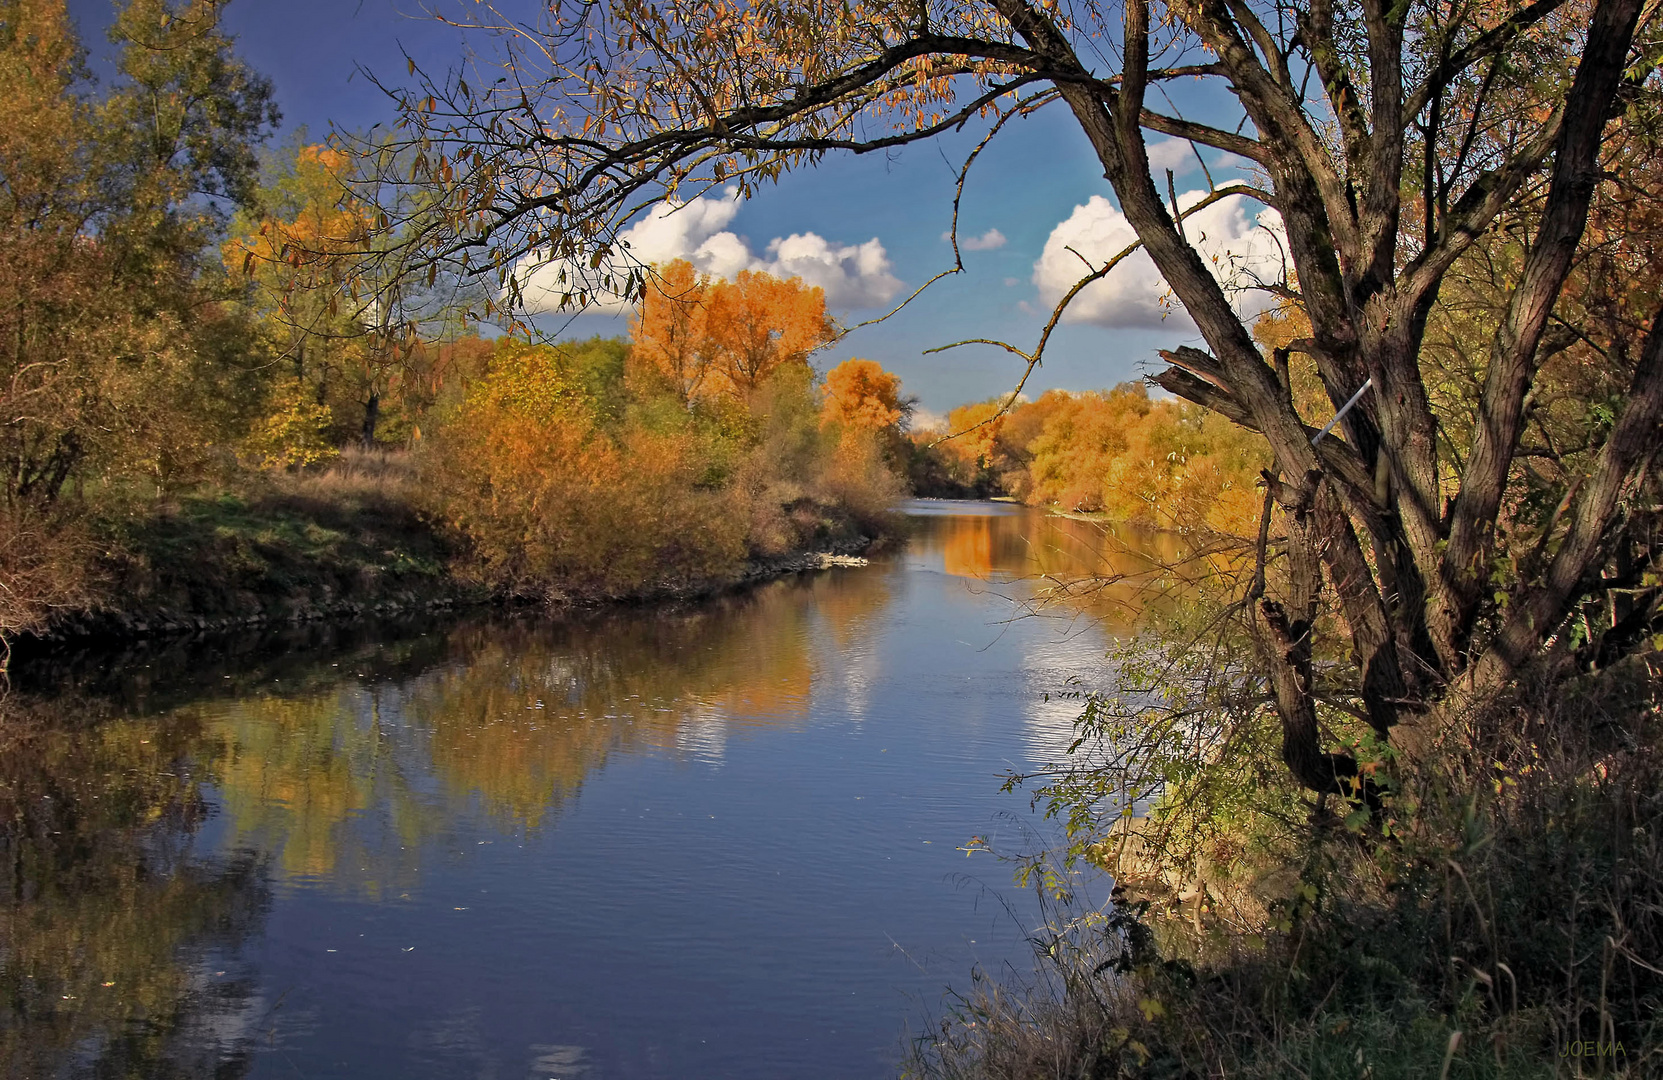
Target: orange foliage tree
344	342
1088	444
1159	464
860	394
981	424
706	338
671	349
319	218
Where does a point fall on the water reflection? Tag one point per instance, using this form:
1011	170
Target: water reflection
121	933
159	812
344	784
1107	572
121	953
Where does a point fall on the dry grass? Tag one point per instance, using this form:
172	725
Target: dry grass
358	475
1512	929
276	542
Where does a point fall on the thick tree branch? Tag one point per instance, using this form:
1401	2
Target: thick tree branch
1201	133
1299	157
1633	441
1316	33
1514	353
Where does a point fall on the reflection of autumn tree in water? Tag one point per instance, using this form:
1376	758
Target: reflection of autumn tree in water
107	928
967	549
113	936
849	601
537	707
1107	572
631	681
338	782
314	779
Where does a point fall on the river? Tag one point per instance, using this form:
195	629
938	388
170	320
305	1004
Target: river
723	840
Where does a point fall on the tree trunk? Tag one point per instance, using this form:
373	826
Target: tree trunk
372	413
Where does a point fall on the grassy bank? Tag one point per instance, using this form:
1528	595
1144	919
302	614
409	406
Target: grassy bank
274	547
350	538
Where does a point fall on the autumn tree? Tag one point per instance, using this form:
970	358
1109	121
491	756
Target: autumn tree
978	427
708	339
668	333
861	394
288	250
114	361
1166	465
353	330
759	323
118	362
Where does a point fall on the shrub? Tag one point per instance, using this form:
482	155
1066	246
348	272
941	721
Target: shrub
1499	916
294	431
47	563
547	497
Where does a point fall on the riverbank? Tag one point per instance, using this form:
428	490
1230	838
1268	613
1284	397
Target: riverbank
350	542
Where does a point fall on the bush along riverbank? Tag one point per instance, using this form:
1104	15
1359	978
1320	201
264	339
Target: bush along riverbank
1498	915
338	541
353	539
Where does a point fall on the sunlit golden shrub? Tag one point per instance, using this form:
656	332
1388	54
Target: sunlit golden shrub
857	476
607	468
294	431
47	564
553	499
1158	464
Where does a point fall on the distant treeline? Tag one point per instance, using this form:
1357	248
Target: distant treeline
1159	464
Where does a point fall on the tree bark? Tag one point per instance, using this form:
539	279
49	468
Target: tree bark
1633	442
1462	572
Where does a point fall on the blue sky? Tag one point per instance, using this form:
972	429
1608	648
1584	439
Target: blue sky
1035	184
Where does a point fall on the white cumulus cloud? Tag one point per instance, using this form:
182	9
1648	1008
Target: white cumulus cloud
1241	241
1175	154
988	241
923	419
853	275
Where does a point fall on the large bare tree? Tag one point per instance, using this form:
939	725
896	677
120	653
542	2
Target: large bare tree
1394	140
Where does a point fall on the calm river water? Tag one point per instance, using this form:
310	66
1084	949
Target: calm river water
722	841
